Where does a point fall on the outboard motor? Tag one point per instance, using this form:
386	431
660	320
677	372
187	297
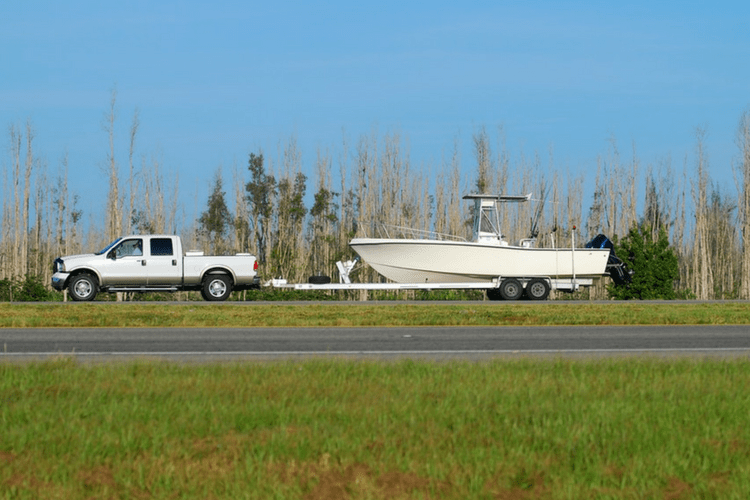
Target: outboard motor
616	268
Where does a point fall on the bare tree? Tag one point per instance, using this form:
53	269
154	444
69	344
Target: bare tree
742	177
323	220
724	253
131	178
150	213
483	155
29	164
703	281
241	222
16	263
287	241
456	206
114	201
346	209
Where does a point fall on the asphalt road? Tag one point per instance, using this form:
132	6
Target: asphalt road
211	344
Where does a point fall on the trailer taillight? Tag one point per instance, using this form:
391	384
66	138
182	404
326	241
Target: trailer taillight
255	266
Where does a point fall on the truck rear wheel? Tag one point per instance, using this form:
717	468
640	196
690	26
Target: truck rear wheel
216	287
82	287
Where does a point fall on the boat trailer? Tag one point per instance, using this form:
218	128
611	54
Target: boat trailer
507	288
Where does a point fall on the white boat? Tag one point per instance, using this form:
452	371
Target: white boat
487	258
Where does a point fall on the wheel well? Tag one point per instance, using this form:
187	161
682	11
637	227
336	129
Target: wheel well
216	271
78	272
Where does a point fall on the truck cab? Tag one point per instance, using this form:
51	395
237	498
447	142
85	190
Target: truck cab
156	259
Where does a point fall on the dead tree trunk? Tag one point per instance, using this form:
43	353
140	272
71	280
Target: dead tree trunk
702	266
743	174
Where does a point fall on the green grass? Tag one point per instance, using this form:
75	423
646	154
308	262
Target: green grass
634	428
364	430
139	314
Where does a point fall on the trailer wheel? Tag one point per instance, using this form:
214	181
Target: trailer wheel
537	289
82	287
511	289
216	287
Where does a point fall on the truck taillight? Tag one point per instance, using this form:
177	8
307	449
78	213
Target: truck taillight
255	266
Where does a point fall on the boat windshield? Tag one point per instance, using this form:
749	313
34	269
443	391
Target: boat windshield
488	221
108	247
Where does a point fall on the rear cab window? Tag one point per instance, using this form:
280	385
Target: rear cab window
161	247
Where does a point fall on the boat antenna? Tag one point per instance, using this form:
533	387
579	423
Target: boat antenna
538	212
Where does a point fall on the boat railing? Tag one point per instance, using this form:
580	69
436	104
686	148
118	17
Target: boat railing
390	231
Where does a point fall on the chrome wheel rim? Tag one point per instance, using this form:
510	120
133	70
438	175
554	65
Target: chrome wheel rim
83	288
217	288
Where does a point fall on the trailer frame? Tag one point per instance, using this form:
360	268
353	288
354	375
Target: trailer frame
345	268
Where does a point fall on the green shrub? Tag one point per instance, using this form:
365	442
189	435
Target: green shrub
28	289
653	262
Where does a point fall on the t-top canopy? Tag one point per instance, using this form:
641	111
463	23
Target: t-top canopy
498	197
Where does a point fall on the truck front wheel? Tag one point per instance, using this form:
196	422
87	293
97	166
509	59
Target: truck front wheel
82	287
216	287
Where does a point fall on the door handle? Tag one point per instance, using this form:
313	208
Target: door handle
174	262
143	262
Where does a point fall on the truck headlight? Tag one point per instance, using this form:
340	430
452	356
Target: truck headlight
58	266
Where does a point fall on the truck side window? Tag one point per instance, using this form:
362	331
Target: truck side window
130	247
161	246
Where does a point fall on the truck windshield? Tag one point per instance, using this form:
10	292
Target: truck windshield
106	249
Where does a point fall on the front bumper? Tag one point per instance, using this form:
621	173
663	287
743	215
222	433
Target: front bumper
59	280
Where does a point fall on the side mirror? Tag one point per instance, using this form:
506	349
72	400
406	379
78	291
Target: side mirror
112	255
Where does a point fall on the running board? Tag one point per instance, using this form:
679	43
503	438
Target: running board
142	289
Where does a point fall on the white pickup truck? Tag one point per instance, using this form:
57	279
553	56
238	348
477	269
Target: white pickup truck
153	263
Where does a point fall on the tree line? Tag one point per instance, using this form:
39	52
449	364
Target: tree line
299	218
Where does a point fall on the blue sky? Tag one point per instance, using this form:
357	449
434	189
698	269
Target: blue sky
214	81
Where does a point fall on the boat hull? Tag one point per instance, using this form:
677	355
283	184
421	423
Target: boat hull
433	261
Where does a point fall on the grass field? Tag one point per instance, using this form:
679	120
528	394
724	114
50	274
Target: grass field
336	429
139	314
364	430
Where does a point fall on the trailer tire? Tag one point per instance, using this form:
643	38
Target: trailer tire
319	280
82	287
537	289
494	294
216	287
511	289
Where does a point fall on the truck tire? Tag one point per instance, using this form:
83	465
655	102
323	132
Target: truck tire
511	289
537	289
82	287
216	287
